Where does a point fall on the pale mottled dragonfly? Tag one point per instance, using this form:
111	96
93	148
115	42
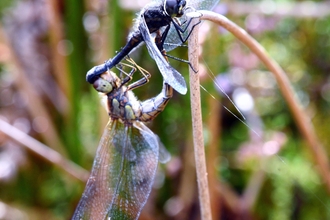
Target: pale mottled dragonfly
128	153
158	17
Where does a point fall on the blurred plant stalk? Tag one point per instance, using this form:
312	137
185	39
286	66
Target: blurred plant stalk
44	151
301	118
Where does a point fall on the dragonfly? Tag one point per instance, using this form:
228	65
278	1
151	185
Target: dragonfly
128	153
158	16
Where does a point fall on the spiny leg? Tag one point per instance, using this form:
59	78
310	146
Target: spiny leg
182	60
160	44
144	72
180	30
128	76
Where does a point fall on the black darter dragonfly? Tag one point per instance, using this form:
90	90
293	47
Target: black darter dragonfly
128	153
158	16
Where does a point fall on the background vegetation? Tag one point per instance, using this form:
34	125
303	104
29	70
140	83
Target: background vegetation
262	170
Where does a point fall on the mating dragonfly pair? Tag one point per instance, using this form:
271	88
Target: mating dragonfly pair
127	157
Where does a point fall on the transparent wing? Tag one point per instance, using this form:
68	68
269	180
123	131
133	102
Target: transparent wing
164	156
122	176
172	40
100	188
138	173
170	75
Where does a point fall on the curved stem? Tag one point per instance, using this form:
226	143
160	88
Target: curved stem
302	120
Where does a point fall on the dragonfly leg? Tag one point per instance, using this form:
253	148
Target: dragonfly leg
160	44
138	83
159	40
143	71
180	30
181	60
134	66
162	40
128	76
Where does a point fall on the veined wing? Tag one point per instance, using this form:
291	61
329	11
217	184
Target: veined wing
172	40
99	191
170	75
122	175
164	156
138	173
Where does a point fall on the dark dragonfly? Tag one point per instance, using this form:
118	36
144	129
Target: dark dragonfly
128	153
158	16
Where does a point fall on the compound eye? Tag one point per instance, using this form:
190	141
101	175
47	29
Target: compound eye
102	85
171	7
182	3
181	6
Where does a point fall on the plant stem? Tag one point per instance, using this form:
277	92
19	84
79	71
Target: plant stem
197	126
302	120
42	150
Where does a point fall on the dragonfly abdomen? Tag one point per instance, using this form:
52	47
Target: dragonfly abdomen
133	42
94	73
152	107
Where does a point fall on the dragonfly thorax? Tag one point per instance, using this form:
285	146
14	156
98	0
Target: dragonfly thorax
174	8
122	104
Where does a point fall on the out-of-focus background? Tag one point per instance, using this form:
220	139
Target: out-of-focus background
264	170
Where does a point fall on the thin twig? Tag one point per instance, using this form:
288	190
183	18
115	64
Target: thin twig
35	105
43	151
302	120
251	191
204	197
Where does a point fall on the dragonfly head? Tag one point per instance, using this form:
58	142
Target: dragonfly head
174	8
106	83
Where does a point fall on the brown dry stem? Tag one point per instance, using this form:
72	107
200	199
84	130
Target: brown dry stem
35	106
197	126
302	120
43	151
